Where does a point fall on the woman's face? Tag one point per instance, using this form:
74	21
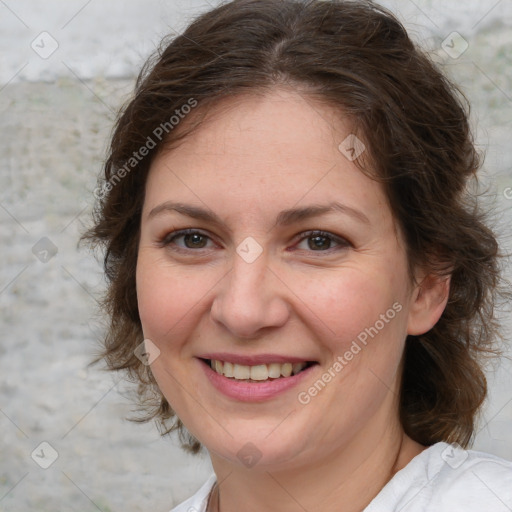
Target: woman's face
292	257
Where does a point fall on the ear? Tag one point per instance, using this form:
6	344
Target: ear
428	301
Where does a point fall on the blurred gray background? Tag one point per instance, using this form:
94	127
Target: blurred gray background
65	67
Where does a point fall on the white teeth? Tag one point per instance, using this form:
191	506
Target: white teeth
297	367
257	372
286	369
274	370
241	372
218	366
228	369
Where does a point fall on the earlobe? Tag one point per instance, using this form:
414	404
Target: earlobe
428	302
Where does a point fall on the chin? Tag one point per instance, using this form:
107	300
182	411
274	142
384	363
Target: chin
257	452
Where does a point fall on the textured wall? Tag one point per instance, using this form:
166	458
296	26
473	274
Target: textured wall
56	111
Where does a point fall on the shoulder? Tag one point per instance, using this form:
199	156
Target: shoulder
474	480
197	502
447	478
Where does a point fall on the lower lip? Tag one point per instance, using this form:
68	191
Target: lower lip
253	391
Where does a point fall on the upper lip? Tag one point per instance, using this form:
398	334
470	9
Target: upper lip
253	360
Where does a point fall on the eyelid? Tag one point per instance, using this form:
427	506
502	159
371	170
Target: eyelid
341	241
169	237
304	235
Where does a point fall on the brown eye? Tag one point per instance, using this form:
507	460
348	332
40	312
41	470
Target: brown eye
186	239
194	241
321	241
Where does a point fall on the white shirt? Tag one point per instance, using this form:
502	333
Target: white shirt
442	478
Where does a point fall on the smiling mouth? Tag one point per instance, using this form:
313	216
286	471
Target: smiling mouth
259	372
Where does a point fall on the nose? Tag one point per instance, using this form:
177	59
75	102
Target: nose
250	299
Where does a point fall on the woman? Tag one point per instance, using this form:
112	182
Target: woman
288	228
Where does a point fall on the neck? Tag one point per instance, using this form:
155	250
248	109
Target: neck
351	477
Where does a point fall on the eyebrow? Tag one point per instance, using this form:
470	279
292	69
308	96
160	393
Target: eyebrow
284	218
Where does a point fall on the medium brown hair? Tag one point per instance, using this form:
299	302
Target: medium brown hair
358	58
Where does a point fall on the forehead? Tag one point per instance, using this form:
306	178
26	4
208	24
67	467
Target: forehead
277	148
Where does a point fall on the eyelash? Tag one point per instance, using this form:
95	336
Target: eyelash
171	237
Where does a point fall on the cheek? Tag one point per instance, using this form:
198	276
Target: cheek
169	297
365	319
352	301
151	295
